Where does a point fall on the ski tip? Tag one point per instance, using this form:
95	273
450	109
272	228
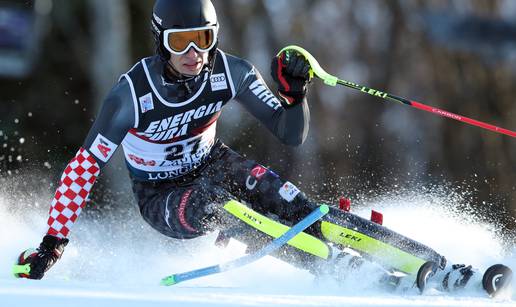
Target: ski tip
324	209
168	281
425	272
497	279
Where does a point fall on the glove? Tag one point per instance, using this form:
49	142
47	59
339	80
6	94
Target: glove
291	71
43	258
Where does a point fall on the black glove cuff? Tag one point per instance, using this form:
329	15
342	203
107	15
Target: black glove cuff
55	244
290	99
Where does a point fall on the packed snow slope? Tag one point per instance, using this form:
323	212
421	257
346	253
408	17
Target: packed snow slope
117	260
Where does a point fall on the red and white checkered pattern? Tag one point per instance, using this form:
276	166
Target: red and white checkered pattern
74	187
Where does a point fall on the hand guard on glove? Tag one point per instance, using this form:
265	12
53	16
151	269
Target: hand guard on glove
43	258
292	73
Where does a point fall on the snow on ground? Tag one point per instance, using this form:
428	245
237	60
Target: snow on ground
119	261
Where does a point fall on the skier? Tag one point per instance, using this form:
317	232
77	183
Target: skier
164	113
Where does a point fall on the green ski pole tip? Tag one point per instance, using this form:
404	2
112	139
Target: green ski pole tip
324	209
168	281
21	269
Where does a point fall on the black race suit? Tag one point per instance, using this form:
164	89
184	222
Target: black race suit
178	168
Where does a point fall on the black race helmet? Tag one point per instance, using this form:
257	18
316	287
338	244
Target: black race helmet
182	14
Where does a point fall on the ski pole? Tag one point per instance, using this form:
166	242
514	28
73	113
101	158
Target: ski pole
331	80
269	248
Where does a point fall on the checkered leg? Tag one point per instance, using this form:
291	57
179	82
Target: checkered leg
74	188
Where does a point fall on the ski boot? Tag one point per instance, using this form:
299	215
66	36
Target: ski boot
344	263
349	262
453	278
457	277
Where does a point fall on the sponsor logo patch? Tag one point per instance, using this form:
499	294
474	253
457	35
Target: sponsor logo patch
288	191
218	82
103	148
256	174
146	103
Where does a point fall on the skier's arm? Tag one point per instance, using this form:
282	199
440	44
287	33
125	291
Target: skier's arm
113	122
288	124
116	117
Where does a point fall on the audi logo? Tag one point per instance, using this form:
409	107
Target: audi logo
218	79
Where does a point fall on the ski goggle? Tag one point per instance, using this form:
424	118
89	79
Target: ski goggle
179	41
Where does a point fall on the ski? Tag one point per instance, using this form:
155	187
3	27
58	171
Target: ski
497	279
348	241
269	248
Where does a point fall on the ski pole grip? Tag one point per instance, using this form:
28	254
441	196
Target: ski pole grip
315	68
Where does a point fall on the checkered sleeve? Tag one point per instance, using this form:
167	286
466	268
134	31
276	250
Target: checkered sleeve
70	198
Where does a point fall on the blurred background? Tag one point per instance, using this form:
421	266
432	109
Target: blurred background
59	58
